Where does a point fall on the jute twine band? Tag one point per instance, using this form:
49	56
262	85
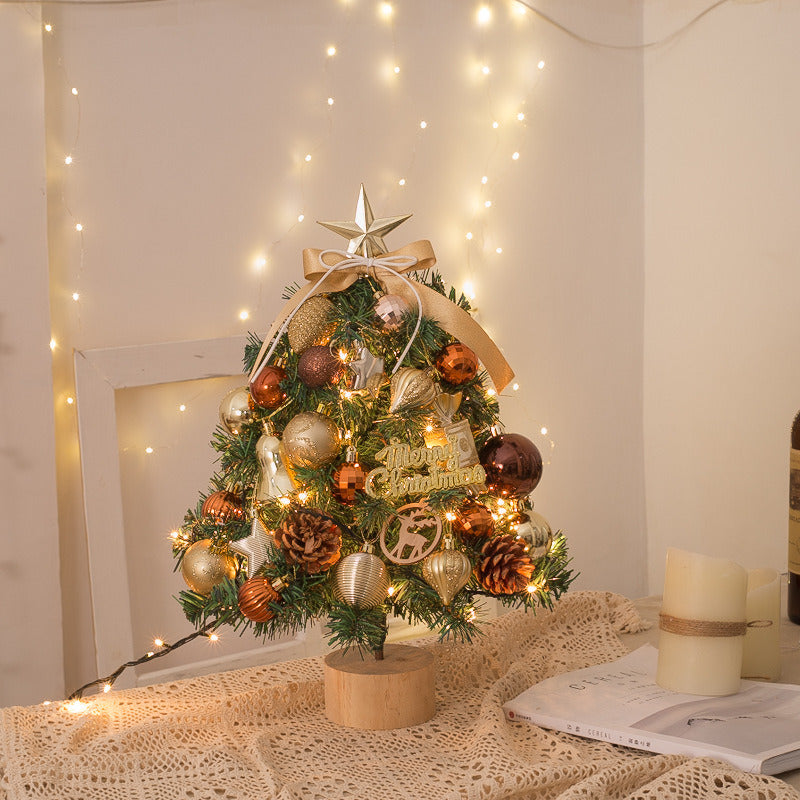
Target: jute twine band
704	627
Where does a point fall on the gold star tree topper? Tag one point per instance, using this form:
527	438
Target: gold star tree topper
365	233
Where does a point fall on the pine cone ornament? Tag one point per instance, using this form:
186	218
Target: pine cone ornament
504	566
310	540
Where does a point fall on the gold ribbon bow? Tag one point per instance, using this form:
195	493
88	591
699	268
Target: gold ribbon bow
326	271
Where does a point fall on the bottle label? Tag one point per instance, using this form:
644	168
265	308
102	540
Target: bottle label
794	511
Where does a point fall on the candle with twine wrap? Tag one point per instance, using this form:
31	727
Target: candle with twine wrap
335	270
702	624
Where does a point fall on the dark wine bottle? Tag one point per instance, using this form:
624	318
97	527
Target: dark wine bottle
794	524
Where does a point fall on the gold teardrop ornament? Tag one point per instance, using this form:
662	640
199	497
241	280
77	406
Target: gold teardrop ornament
411	388
448	571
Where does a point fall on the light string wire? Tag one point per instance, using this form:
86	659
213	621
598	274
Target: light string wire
541	14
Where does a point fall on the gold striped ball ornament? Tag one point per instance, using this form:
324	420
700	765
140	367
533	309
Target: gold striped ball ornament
361	579
203	568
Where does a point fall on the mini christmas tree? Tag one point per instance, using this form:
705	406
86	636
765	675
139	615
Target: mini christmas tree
363	471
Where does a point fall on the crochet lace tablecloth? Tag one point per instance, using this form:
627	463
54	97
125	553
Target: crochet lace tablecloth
261	733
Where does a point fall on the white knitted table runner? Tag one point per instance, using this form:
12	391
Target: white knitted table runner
261	733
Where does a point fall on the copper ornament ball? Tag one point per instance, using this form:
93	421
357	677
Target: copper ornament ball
265	388
222	506
473	519
255	597
203	569
390	309
513	465
457	364
319	367
348	480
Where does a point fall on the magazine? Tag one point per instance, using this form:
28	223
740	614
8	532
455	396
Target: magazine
756	730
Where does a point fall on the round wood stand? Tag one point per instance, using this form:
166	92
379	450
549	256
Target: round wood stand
396	692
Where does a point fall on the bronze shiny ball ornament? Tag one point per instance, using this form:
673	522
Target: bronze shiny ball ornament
457	364
222	506
473	519
319	367
236	410
265	388
203	568
513	465
311	440
256	596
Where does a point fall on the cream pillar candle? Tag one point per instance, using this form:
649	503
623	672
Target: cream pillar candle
762	654
702	624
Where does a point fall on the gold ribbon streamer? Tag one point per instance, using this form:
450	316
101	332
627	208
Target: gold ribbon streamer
415	256
701	627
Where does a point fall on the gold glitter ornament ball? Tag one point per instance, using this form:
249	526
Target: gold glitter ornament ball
203	569
312	324
311	439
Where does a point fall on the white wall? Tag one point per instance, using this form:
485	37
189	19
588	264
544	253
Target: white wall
31	663
722	189
188	136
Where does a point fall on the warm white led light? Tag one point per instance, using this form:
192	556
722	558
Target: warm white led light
541	64
390	591
330	101
520	116
106	688
70	401
469	290
484	15
396	69
423	124
488	204
76	296
515	156
76	706
213	637
331	51
243	315
181	407
485	180
386	9
519	9
485	69
48	27
495	124
260	262
68	160
158	642
515	387
301	217
148	450
491	392
74	91
78	227
544	431
52	344
401	182
498	250
308	157
469	236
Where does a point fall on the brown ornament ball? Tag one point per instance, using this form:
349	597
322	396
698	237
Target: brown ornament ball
474	519
222	506
513	465
265	388
348	480
203	568
457	364
312	323
319	367
390	309
255	598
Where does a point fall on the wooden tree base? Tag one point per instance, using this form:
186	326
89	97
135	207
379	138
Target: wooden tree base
396	692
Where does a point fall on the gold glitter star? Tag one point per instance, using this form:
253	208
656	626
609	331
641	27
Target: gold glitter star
257	548
365	233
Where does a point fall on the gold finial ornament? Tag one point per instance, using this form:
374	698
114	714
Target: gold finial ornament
448	571
365	233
